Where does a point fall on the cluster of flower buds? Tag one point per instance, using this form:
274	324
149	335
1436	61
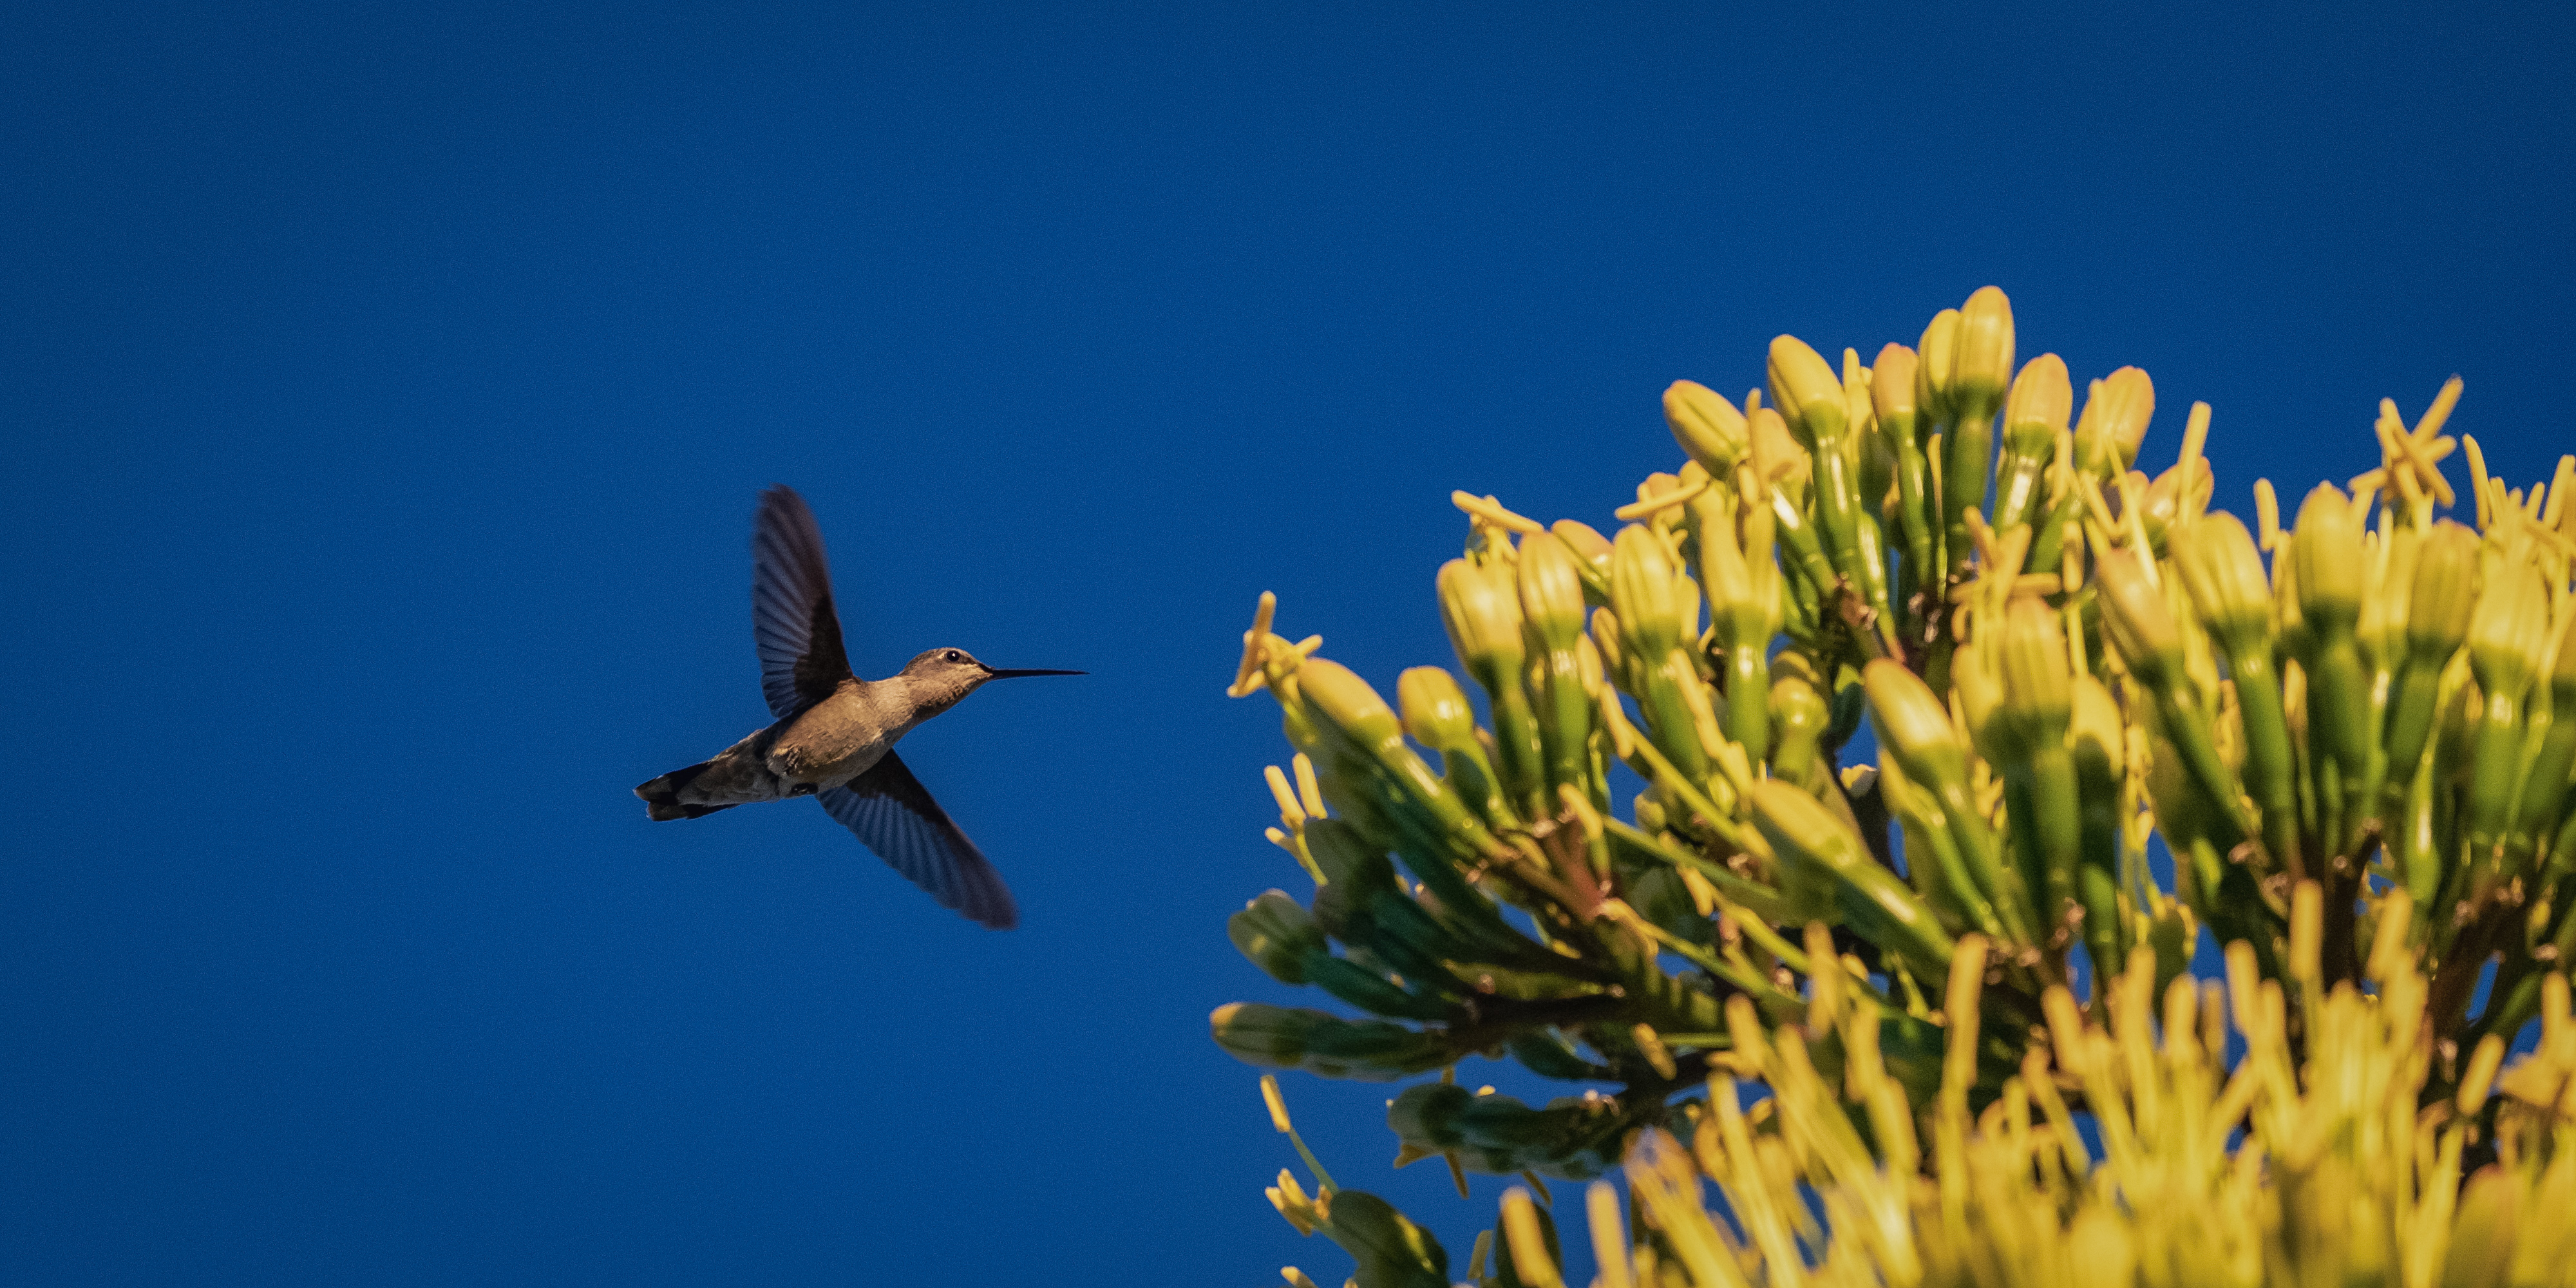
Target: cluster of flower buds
2350	1167
2068	666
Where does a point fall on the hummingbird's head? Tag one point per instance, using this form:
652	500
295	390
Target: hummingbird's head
942	677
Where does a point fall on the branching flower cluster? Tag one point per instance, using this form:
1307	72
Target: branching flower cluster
2354	736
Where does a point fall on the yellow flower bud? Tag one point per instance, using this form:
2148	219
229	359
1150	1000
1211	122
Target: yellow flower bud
1981	699
2444	592
1551	591
1348	703
1482	609
1776	453
2135	617
2329	561
1589	545
1707	426
1939	347
1893	396
2224	573
2042	398
1983	363
2037	695
1805	389
1641	593
1435	709
2114	422
1913	725
2506	633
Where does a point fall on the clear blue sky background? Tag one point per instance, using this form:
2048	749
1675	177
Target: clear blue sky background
385	389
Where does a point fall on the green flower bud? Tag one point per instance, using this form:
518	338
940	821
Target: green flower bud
2444	593
1893	396
2135	617
2224	573
1816	849
1939	349
1426	1116
1798	719
1589	545
1390	1250
1268	1037
1371	1050
1913	726
2506	634
1551	591
2042	398
1275	933
2037	695
2033	418
1980	689
1777	453
1642	579
1482	609
1435	709
1982	365
1346	702
2116	412
1807	393
2329	561
1370	991
1707	426
2175	492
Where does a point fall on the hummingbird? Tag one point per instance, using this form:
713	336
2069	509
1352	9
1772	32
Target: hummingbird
834	734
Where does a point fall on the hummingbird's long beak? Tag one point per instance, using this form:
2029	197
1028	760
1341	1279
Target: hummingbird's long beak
991	674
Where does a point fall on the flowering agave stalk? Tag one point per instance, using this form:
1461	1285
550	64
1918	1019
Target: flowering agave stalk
2344	732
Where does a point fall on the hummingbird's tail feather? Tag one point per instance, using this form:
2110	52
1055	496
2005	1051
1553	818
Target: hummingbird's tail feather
662	801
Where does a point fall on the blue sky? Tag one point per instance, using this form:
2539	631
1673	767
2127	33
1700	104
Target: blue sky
386	389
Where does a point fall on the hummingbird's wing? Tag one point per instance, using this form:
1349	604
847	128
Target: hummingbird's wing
892	812
801	660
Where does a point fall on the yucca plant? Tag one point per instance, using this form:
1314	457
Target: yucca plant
2343	733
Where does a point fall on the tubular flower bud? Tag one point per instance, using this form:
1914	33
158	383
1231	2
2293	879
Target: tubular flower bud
1892	392
1819	851
1435	709
2135	618
1348	703
1269	1037
2505	637
1588	545
1551	591
1776	452
1807	393
1642	579
1798	720
2445	589
2037	698
2224	573
2507	634
1275	933
2331	565
1482	609
1981	699
1938	349
2116	412
1983	364
1913	726
2042	397
2033	418
1708	427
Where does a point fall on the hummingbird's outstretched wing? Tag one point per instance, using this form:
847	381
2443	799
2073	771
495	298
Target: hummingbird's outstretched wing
801	659
892	812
